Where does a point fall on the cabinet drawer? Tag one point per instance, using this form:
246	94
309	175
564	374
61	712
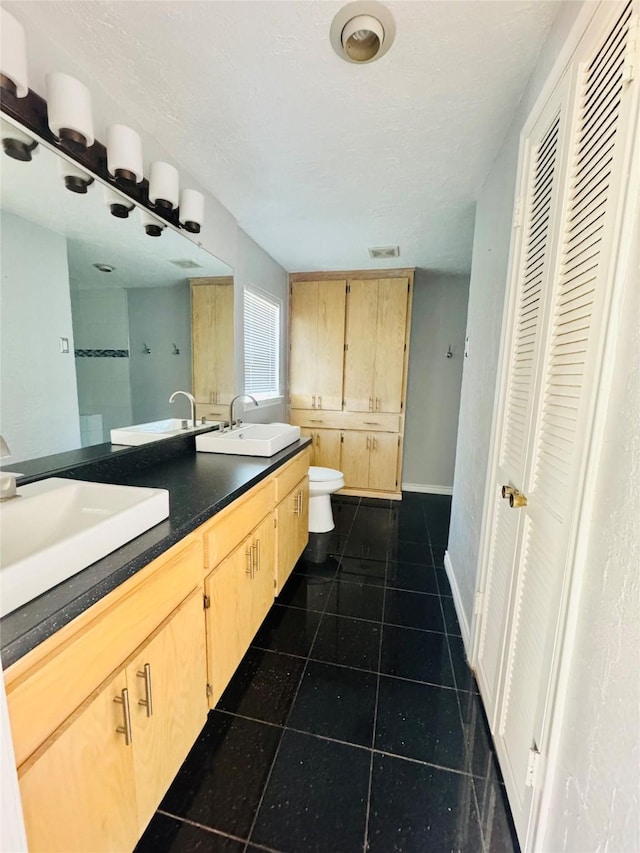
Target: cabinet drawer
369	421
77	659
291	473
235	522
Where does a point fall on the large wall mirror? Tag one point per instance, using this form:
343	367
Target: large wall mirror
96	316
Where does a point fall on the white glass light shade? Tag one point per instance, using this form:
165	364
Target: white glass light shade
164	185
191	210
152	225
124	153
13	55
69	109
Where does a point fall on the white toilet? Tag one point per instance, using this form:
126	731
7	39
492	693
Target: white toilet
322	483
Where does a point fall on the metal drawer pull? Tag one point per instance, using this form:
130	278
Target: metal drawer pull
370	404
375	444
377	404
296	505
126	729
371	423
319	401
313	401
147	702
249	569
368	443
258	560
301	501
316	420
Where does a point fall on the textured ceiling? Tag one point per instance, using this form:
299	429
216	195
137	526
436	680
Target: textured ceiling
318	159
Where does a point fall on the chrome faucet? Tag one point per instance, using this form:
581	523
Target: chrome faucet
191	399
7	478
237	397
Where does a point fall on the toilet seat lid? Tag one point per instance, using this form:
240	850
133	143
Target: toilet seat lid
320	475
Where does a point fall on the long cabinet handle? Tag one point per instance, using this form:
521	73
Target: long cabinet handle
368	443
249	553
316	420
301	501
257	555
370	404
371	423
375	444
377	404
313	401
319	401
296	505
147	702
125	730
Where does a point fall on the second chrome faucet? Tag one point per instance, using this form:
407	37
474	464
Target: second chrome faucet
238	397
191	400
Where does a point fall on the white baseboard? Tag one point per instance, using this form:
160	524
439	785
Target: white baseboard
428	490
457	603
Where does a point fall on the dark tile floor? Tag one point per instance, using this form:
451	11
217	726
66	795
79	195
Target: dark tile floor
353	723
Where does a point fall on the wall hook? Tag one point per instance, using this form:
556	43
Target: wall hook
145	348
449	352
176	350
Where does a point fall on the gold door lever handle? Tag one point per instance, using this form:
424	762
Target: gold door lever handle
517	499
507	491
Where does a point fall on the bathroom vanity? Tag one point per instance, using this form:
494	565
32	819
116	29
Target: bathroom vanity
110	675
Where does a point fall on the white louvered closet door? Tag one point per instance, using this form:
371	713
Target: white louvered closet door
567	373
522	351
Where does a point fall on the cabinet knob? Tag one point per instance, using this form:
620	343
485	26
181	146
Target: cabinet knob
125	730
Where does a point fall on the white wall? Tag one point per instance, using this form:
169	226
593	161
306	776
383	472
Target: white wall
484	320
39	404
594	802
159	317
438	321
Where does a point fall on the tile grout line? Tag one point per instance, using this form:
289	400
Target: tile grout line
293	701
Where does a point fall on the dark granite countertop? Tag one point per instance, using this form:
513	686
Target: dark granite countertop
199	484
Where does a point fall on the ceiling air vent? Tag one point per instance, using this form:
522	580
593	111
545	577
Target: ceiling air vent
385	252
186	264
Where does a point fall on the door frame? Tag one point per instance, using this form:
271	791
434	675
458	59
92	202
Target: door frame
590	23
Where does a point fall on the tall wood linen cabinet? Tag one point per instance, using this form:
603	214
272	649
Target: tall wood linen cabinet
349	350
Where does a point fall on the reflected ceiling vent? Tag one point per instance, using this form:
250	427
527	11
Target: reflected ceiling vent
186	264
382	252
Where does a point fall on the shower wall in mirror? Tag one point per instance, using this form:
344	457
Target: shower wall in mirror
95	314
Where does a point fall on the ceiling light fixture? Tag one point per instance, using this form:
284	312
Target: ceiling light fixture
384	252
13	56
104	267
362	32
69	111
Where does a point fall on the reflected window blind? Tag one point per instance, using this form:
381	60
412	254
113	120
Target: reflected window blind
261	345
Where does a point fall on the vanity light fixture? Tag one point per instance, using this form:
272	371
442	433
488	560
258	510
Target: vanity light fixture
117	204
13	56
362	32
69	111
191	210
124	154
104	267
17	144
152	225
164	185
76	180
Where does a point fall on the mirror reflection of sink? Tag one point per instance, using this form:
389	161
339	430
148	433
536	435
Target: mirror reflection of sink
156	430
57	527
249	439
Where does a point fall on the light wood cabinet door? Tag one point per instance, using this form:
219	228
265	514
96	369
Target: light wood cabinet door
317	344
292	531
168	703
78	790
212	342
327	448
391	326
355	459
305	432
303	340
360	337
383	462
330	344
240	592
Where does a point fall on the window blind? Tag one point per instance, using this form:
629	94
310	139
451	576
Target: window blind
261	345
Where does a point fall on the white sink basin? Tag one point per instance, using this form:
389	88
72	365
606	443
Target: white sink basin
156	431
58	527
249	440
